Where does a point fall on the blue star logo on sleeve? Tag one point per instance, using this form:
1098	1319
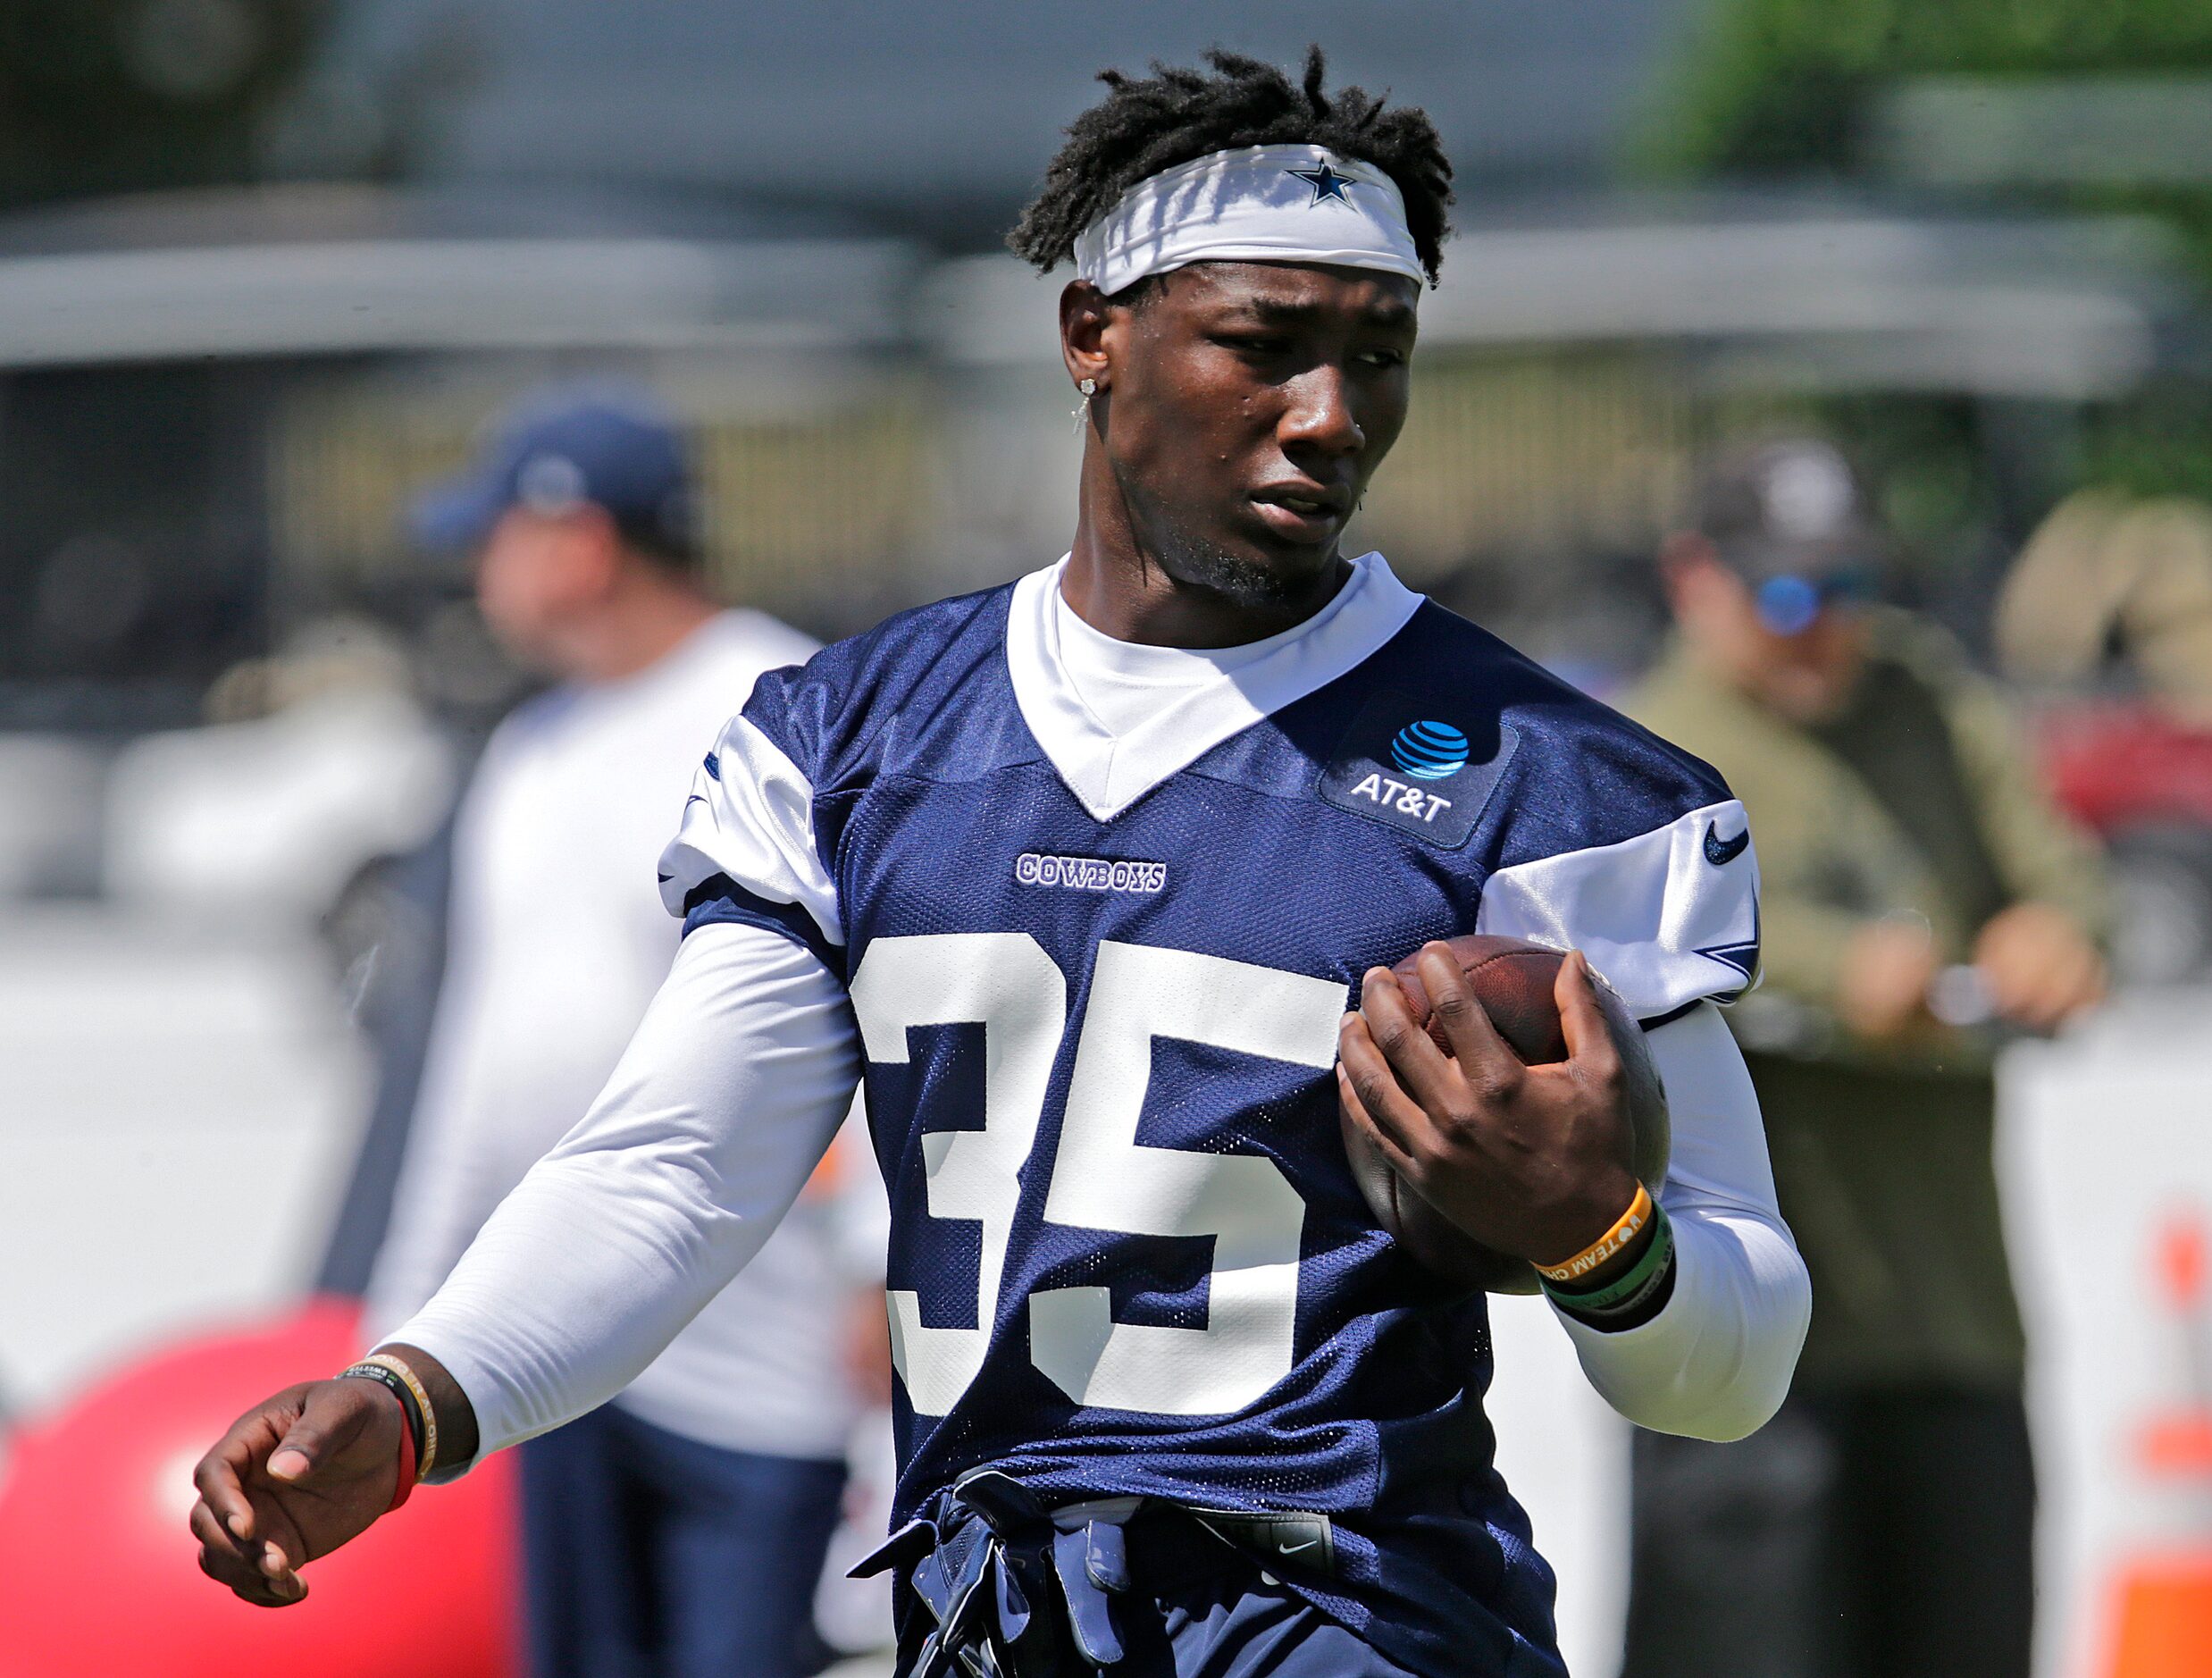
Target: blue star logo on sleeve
1325	182
1743	957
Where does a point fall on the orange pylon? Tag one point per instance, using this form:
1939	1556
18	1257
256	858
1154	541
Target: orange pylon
2162	1602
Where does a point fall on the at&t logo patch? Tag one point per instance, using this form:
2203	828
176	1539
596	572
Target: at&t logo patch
1427	775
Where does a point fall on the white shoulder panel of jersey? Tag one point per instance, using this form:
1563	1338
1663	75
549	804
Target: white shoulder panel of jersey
750	816
1668	917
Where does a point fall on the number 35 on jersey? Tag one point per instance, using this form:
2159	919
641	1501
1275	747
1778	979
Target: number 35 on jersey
1102	1178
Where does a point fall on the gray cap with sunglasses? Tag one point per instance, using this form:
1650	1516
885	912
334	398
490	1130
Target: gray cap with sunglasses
1790	517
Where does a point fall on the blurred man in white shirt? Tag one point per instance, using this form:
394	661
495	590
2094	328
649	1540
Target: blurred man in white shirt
680	1529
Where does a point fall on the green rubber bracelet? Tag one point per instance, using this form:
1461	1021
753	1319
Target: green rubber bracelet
1619	1296
1633	1311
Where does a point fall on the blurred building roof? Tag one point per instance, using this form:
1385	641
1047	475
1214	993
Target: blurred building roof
1835	294
1777	292
323	271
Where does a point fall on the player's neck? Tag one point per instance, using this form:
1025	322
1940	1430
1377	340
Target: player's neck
1116	584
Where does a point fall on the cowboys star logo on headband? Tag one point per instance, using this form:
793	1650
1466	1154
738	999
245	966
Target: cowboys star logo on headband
1325	182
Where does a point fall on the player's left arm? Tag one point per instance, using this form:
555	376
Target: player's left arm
1535	1160
1715	1362
1670	918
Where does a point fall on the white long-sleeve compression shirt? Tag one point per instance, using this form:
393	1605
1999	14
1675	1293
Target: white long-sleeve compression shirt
735	1083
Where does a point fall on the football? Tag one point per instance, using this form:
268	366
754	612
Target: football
1512	979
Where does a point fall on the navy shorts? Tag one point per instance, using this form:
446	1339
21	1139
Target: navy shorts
647	1555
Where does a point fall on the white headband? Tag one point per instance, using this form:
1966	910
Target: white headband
1260	204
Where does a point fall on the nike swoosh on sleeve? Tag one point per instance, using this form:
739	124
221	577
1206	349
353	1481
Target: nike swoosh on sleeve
1720	852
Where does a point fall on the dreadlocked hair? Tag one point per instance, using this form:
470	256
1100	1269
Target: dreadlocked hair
1143	127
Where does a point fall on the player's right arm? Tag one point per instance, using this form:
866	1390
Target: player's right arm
728	1096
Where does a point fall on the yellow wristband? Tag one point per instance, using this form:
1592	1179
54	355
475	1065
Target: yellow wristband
1590	1257
385	1360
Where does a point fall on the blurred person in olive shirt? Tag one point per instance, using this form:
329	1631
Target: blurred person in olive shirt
1912	874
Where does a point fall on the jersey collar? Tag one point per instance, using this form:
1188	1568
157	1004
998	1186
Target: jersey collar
1108	773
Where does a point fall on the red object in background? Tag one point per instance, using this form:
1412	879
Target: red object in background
99	1577
2178	1440
2116	767
2182	1261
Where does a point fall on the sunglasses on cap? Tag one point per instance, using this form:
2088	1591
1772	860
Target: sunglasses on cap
1790	603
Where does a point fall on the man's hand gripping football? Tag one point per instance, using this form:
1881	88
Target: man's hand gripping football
1533	1161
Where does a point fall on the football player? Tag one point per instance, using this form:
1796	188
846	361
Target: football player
1080	875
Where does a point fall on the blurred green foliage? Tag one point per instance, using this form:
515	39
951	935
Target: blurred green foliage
2157	443
1782	85
1784	88
126	96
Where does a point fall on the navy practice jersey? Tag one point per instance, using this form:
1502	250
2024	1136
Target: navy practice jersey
1127	1255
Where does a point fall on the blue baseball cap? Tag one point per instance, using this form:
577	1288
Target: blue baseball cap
1790	518
567	447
